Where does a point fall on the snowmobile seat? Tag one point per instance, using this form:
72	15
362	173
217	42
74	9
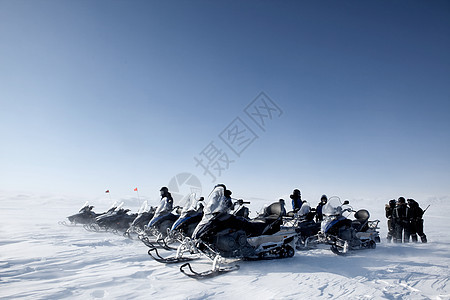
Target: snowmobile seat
266	226
274	210
290	214
362	220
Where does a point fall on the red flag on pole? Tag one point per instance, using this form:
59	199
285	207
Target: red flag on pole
107	191
135	189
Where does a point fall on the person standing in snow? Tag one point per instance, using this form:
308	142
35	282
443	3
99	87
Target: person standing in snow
415	214
296	200
401	222
319	215
389	208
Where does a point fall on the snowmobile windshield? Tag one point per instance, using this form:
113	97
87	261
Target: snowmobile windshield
113	206
305	209
119	207
216	201
143	208
84	207
191	204
333	207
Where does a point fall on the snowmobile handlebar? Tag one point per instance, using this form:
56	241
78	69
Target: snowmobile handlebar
240	201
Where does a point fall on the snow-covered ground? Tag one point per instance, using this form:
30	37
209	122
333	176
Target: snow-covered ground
40	259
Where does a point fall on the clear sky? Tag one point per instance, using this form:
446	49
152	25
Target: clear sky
98	95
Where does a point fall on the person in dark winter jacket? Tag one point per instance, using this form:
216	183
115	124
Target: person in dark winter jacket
389	212
415	214
401	222
296	200
165	206
323	201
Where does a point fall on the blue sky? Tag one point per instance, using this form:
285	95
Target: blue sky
98	95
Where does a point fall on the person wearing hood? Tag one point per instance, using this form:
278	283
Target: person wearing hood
323	201
415	214
165	206
401	222
389	209
296	200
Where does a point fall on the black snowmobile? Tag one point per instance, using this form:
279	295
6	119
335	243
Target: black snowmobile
84	216
342	233
303	223
119	220
157	230
114	220
161	223
145	214
227	236
188	220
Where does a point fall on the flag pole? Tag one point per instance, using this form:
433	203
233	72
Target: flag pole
137	191
107	191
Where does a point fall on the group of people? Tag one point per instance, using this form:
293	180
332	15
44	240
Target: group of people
405	221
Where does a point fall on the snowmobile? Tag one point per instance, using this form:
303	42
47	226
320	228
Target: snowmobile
191	214
93	226
145	214
159	228
116	219
227	236
161	222
342	233
120	220
84	216
303	223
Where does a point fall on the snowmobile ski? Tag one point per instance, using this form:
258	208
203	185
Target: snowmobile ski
206	274
336	251
168	260
64	223
162	243
147	242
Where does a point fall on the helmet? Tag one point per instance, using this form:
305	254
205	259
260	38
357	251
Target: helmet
227	193
411	202
392	202
164	191
221	185
296	192
324	198
401	200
